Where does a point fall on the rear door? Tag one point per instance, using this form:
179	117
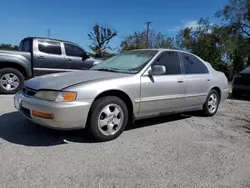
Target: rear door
75	57
197	80
48	57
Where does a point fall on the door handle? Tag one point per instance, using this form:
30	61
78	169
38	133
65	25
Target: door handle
180	81
68	59
40	57
208	80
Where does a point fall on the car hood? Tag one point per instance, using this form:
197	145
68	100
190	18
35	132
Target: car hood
60	81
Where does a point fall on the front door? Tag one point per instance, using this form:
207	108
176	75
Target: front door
163	93
74	57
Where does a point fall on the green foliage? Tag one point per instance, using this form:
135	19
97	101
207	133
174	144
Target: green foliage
8	47
137	40
236	35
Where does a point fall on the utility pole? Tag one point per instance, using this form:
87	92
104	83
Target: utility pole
147	25
49	33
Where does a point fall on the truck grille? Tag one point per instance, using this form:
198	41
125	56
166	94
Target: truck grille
29	92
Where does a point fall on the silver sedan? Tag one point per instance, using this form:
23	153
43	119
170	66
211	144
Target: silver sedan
129	86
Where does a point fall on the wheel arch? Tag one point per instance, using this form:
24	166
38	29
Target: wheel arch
216	88
120	94
16	66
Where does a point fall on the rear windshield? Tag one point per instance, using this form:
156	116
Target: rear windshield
25	45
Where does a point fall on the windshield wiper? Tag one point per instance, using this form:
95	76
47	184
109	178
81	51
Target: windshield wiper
105	69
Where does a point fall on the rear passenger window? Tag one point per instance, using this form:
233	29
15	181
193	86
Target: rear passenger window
50	47
192	64
171	61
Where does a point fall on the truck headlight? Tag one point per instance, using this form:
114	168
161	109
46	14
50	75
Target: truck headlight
60	96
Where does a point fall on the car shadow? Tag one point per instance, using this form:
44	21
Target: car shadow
157	120
14	128
245	97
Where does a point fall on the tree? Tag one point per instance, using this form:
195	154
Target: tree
237	13
134	41
236	17
100	37
8	47
137	40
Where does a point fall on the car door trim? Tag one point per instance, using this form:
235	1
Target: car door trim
164	97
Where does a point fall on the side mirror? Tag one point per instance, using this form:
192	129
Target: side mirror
85	56
157	70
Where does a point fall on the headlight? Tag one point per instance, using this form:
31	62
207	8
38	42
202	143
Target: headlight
60	96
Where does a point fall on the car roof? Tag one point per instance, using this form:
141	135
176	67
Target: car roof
164	50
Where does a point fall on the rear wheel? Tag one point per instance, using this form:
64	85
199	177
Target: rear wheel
11	81
108	118
212	103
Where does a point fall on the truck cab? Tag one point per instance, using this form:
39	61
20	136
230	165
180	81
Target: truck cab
51	56
38	56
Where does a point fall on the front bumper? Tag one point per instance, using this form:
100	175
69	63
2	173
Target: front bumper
67	115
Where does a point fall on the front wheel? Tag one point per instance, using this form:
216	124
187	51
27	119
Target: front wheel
212	103
108	118
11	81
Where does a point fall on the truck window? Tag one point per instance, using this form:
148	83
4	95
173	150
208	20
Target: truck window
72	50
49	47
21	46
25	45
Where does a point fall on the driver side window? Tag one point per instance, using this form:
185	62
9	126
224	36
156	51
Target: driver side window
171	62
72	50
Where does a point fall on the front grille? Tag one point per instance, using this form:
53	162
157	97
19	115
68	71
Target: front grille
29	92
25	111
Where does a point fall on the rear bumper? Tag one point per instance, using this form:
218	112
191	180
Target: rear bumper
67	115
224	94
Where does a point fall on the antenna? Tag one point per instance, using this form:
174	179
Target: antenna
49	33
147	25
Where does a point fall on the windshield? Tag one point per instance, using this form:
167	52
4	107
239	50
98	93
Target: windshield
130	62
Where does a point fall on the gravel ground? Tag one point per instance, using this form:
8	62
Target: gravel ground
174	151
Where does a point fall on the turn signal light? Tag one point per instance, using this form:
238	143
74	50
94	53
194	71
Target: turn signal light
69	96
42	115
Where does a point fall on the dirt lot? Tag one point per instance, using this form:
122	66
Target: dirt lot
174	151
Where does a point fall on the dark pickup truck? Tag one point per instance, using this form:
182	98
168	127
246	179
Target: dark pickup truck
38	56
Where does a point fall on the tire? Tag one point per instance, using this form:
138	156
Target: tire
236	93
15	76
210	108
98	117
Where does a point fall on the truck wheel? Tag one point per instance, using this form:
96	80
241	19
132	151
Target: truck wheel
108	118
11	81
